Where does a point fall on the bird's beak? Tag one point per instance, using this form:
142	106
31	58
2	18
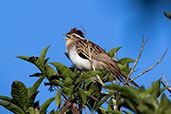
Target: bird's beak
66	38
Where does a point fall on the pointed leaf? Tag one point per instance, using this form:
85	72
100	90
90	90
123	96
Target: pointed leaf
164	101
37	84
124	61
82	95
24	58
68	90
19	93
43	54
58	97
31	99
167	15
5	98
12	107
155	89
86	75
103	100
64	70
68	82
45	105
113	51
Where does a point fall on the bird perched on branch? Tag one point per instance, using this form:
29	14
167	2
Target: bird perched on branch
86	55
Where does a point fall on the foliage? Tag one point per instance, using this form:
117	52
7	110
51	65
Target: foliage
79	90
168	15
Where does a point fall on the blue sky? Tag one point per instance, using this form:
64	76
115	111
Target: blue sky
27	27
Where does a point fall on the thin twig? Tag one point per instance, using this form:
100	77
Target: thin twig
142	46
168	87
151	66
85	110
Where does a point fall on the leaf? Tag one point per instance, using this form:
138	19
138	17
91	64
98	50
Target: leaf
43	54
58	97
31	99
124	64
164	101
68	90
127	112
5	98
37	84
68	82
45	105
62	69
103	100
12	107
126	92
113	51
24	58
82	95
86	75
167	15
155	89
124	61
19	93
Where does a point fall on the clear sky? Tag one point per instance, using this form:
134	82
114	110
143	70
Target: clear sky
28	26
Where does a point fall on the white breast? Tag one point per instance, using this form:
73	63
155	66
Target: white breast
77	61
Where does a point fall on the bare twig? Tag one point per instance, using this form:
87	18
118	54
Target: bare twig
66	106
151	66
85	110
168	87
142	46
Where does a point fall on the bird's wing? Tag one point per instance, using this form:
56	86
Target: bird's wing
112	66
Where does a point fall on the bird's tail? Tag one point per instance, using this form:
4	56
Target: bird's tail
116	71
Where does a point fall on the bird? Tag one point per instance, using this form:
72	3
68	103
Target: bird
86	55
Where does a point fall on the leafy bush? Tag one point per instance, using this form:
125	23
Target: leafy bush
79	91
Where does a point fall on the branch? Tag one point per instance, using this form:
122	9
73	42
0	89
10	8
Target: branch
168	87
142	46
151	66
66	106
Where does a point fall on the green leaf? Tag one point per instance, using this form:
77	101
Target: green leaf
68	90
37	84
31	99
126	92
82	95
124	64
45	105
12	107
167	15
19	93
113	51
5	98
64	70
127	112
164	101
43	54
86	75
155	89
24	58
103	100
68	82
124	61
58	97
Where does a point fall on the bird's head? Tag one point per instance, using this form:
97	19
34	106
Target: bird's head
74	34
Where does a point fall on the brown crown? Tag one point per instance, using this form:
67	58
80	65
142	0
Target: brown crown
74	30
